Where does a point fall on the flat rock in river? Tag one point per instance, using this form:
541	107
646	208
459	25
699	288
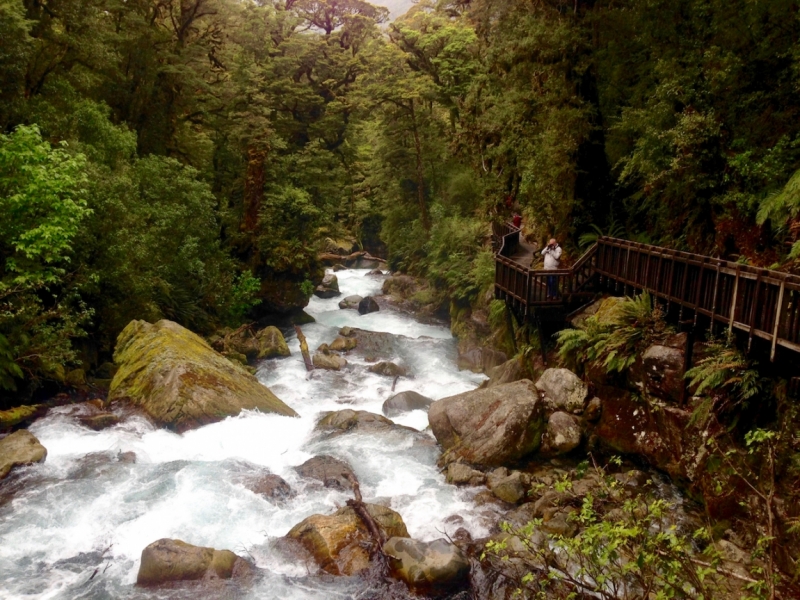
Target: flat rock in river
331	471
180	381
489	427
169	560
348	420
405	402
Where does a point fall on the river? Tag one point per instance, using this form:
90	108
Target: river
76	525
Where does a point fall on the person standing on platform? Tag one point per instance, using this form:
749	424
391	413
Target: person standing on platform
552	259
517	220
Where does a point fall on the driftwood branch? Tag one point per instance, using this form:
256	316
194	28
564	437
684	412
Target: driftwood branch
357	504
304	348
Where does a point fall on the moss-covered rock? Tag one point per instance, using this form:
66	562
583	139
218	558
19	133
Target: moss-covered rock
180	381
271	343
19	449
337	542
21	414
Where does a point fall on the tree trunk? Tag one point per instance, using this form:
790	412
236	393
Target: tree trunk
423	209
254	186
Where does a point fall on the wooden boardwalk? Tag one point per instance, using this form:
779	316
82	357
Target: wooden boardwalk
705	292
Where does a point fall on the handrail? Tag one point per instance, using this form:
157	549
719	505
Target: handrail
760	302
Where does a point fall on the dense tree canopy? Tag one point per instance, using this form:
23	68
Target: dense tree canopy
188	158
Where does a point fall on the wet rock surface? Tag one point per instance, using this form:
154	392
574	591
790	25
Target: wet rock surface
404	402
426	567
490	427
368	305
180	381
168	560
329	288
19	449
329	470
330	362
348	420
350	302
388	369
339	543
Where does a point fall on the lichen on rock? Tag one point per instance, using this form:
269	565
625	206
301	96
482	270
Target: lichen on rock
180	381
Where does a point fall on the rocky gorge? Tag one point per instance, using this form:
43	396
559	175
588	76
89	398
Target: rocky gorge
321	484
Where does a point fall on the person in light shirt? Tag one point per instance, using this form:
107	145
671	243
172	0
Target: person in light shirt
552	259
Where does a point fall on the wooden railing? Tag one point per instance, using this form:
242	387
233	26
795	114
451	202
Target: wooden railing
759	302
705	291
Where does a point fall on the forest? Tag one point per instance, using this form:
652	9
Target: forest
189	159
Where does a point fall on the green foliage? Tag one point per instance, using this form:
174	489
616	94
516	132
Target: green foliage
614	344
725	378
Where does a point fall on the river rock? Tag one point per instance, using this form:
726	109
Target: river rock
389	369
271	486
405	402
510	488
342	344
266	343
376	273
375	345
174	560
99	421
21	414
562	434
331	362
338	267
348	420
562	390
329	288
332	472
19	449
350	302
426	567
368	305
461	474
180	382
339	542
489	427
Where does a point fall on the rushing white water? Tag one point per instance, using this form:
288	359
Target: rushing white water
77	523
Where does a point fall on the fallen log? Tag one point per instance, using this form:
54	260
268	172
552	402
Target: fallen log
304	348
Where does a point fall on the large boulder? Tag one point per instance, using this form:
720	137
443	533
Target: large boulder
562	434
436	566
491	426
168	560
180	382
374	345
342	344
562	390
405	402
331	471
368	305
19	449
270	486
329	288
350	302
508	372
339	542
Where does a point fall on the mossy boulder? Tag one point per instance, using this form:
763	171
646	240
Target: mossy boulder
339	542
20	415
19	449
180	381
168	560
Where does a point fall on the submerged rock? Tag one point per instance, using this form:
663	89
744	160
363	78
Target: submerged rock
435	566
348	420
368	305
350	302
331	471
180	381
405	402
563	390
374	345
99	421
329	288
389	369
19	449
339	542
271	486
489	427
169	560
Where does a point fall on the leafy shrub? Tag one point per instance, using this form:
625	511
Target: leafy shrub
615	344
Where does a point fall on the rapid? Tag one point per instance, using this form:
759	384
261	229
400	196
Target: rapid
75	525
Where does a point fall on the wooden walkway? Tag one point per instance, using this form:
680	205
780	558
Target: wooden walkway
704	292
